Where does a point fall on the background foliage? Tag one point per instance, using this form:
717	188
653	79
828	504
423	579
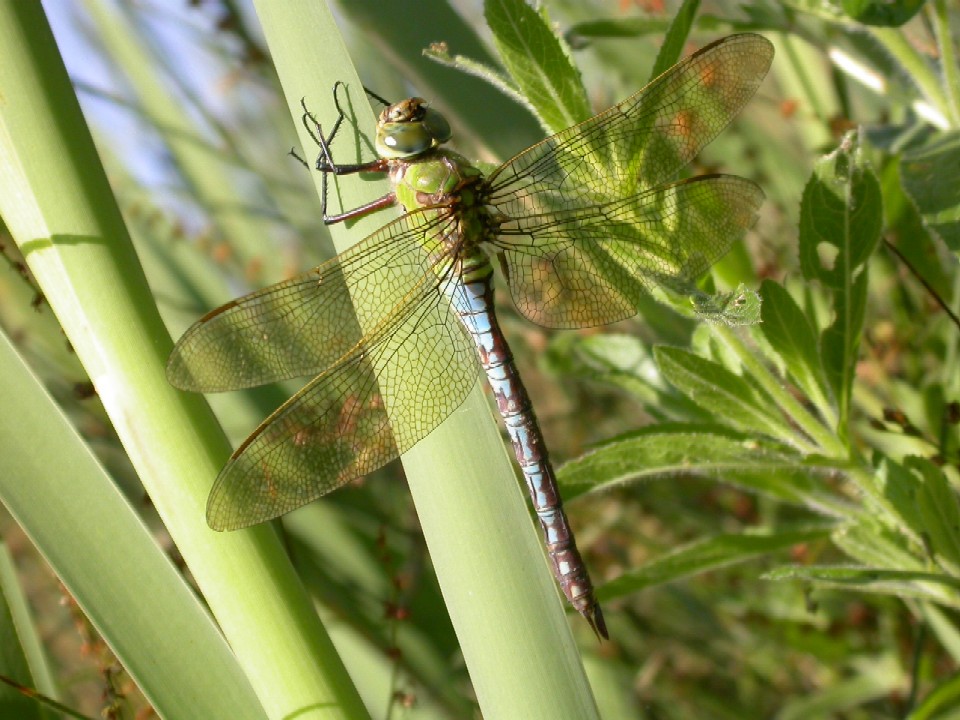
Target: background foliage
798	555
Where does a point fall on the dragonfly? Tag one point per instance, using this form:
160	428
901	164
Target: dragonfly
583	224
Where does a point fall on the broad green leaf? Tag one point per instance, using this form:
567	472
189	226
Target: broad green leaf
922	504
938	512
729	397
538	62
882	12
667	450
840	216
840	219
790	333
931	178
709	554
839	344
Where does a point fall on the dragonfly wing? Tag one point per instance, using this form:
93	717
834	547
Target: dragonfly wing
641	142
374	404
304	325
588	266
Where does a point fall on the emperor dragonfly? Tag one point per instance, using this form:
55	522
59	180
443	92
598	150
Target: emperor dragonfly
583	222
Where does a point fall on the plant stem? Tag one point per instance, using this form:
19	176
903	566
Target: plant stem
502	599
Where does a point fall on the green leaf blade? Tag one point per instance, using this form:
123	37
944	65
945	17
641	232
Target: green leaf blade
539	63
721	392
931	178
790	333
710	554
841	215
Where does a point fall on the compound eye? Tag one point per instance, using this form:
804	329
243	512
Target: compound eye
399	139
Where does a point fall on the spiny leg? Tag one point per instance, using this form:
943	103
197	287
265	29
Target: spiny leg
326	164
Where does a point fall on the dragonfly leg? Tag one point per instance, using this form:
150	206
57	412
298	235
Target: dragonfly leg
326	165
378	98
379	204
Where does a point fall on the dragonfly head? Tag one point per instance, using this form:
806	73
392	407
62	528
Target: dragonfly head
408	128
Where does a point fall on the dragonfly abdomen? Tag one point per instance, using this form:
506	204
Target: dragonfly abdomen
473	302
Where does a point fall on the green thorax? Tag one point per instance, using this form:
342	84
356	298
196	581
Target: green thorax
425	175
436	177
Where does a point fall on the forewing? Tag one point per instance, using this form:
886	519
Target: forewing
304	325
377	402
588	266
639	143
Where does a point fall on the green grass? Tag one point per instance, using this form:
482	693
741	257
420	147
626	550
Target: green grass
770	511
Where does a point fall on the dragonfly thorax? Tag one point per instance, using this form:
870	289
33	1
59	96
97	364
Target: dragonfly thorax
409	128
441	177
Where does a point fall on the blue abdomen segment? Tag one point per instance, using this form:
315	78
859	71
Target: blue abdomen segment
473	301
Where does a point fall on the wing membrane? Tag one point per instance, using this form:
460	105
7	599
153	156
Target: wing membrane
304	325
588	266
641	142
379	400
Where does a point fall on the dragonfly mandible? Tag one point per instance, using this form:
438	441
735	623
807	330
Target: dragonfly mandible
583	222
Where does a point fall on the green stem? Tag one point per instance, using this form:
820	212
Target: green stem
60	209
502	599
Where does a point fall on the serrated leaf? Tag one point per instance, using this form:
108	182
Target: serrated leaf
840	219
931	178
708	554
841	211
729	397
538	62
